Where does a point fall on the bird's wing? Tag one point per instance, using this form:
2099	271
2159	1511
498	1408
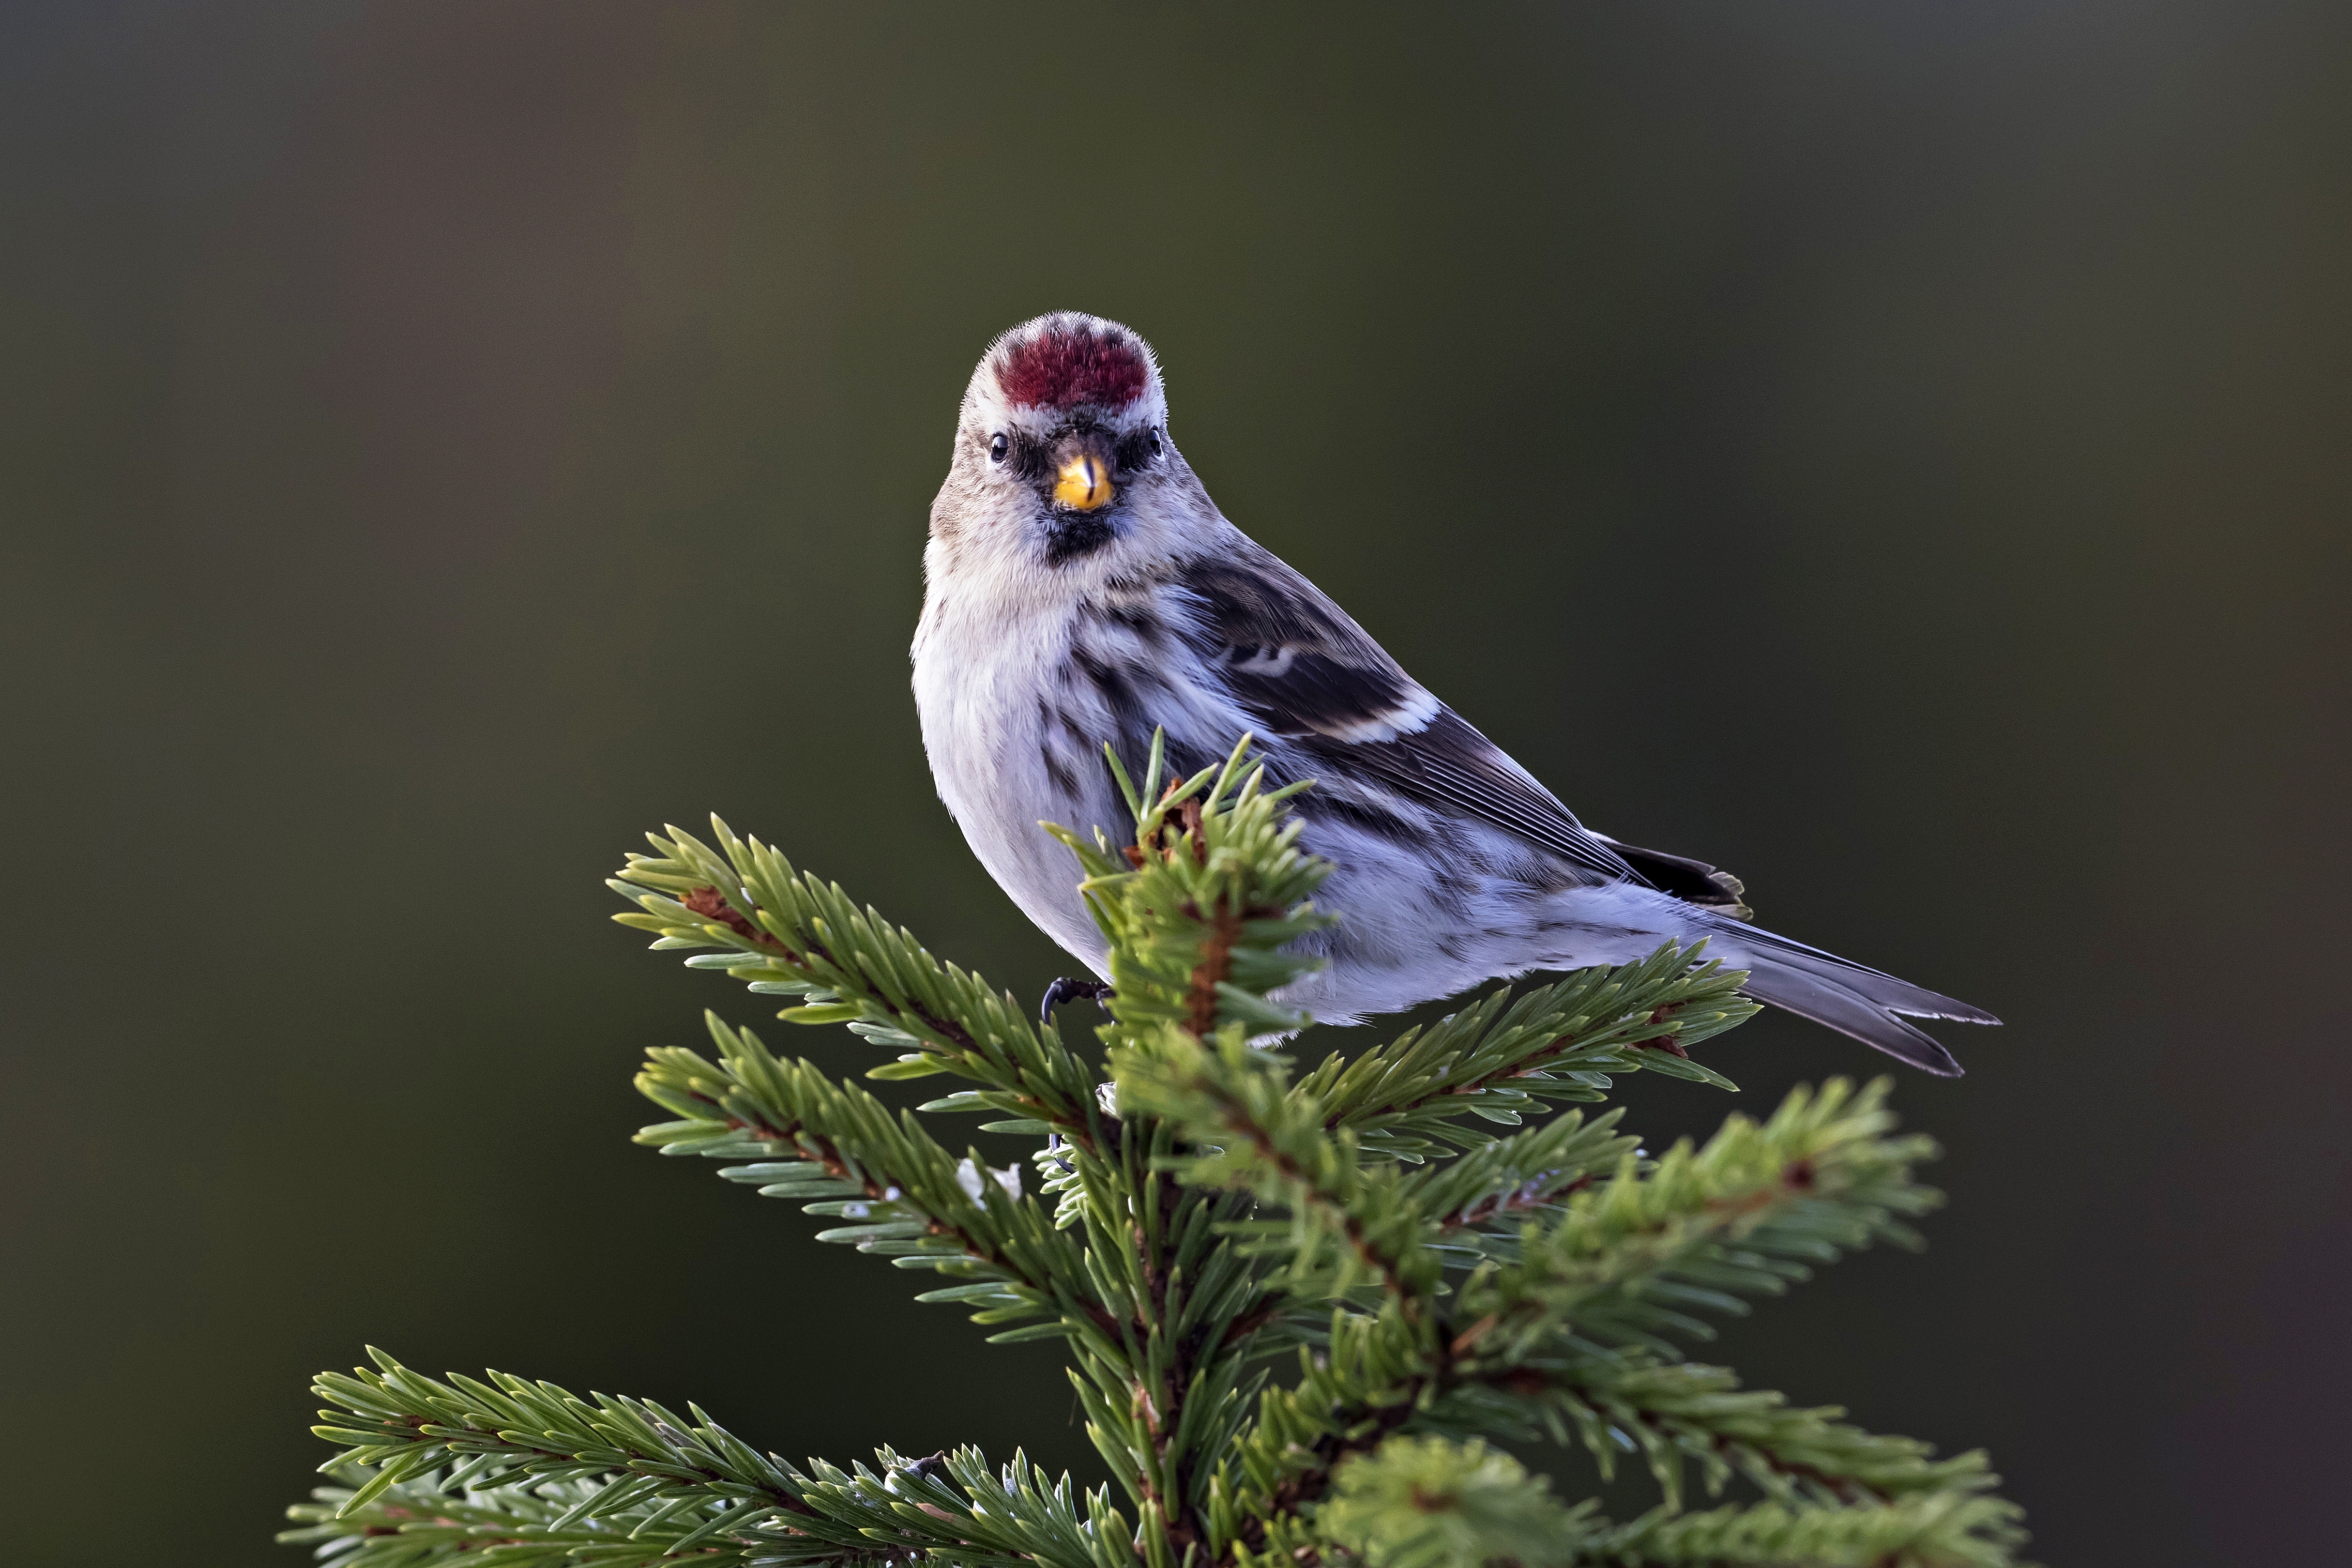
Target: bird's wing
1693	881
1305	671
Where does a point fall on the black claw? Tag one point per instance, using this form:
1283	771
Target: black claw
1066	989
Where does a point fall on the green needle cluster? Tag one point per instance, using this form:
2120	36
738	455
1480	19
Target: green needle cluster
1297	1305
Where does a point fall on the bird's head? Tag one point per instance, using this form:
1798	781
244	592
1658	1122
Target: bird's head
1062	455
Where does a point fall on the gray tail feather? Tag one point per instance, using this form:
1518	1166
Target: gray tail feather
1844	996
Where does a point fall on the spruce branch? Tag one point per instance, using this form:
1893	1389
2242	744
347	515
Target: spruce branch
1426	1503
524	1468
514	1471
1375	1373
912	1200
431	1520
1644	1251
1480	1200
1502	1060
1174	1387
1623	1258
1198	910
972	1515
1937	1530
789	934
1347	1220
1677	1412
1201	908
1444	1260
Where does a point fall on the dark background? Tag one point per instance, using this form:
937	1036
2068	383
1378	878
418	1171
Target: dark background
1898	451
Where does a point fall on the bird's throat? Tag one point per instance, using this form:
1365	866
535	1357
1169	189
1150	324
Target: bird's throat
1074	536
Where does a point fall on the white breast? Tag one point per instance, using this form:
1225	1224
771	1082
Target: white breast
987	667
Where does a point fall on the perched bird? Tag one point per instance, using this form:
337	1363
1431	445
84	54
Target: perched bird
1081	588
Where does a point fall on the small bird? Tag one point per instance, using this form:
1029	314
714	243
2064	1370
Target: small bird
1081	588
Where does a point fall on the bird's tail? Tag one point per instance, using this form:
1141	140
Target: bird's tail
1846	997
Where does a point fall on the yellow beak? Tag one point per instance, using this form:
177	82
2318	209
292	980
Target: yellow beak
1084	484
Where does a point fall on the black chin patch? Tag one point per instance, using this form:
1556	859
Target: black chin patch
1071	535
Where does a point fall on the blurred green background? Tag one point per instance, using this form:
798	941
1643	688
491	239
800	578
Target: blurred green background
1896	452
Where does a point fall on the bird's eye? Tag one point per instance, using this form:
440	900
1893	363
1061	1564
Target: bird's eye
1153	438
997	447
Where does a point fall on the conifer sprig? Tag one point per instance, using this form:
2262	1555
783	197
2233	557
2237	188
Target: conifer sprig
428	1520
1937	1530
1347	1221
510	1470
1442	1258
1503	1060
1679	1413
1425	1503
1201	909
1644	1251
909	1198
788	934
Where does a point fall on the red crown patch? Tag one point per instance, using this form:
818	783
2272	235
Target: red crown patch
1064	367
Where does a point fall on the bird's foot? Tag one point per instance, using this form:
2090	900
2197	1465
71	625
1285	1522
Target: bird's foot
1066	989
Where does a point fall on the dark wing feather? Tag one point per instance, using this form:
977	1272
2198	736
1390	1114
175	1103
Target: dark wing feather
1291	656
1305	672
1693	881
